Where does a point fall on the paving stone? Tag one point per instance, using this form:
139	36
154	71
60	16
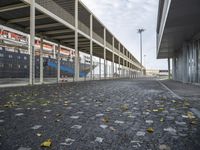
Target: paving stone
24	148
103	126
19	114
35	127
74	117
119	122
140	133
83	123
99	139
76	127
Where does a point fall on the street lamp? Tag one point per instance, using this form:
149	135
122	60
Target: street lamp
140	32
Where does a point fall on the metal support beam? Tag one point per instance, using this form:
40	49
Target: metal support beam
91	47
32	43
58	64
24	19
76	43
13	7
41	60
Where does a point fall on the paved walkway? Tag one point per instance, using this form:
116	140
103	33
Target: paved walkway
115	115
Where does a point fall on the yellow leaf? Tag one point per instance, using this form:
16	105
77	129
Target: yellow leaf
161	119
190	115
105	119
124	107
155	110
46	143
150	130
173	101
194	122
161	109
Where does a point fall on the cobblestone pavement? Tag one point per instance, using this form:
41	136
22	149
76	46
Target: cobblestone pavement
108	115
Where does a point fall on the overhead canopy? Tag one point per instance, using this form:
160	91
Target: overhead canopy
182	24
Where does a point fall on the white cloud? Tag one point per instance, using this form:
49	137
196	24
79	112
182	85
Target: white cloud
124	17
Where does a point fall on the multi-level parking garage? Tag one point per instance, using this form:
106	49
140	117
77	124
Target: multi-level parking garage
71	24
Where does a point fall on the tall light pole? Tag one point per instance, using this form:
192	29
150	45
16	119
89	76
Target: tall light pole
140	32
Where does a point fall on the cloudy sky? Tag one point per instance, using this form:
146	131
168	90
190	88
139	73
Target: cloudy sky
123	18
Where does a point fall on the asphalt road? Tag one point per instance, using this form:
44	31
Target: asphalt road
107	115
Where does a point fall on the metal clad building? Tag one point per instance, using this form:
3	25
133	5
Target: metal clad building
178	37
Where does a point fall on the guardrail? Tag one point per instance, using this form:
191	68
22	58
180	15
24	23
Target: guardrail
97	37
83	28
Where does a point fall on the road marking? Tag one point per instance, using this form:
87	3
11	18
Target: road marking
175	95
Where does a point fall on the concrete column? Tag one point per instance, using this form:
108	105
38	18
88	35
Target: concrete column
99	68
174	68
91	47
41	60
113	62
58	64
32	43
119	57
105	66
113	56
54	51
185	64
76	68
123	74
119	66
169	68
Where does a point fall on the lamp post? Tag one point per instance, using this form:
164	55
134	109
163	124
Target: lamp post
140	32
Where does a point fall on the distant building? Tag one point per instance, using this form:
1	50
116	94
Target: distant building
178	37
156	72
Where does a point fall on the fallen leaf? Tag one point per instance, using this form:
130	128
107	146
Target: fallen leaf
46	143
161	119
124	107
105	119
173	101
190	115
150	130
155	110
161	109
194	122
112	128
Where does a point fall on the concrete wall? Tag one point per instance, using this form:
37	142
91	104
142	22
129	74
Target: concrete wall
186	63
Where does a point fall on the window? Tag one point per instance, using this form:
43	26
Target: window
19	66
1	54
19	57
10	65
25	58
1	48
10	56
25	66
1	65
